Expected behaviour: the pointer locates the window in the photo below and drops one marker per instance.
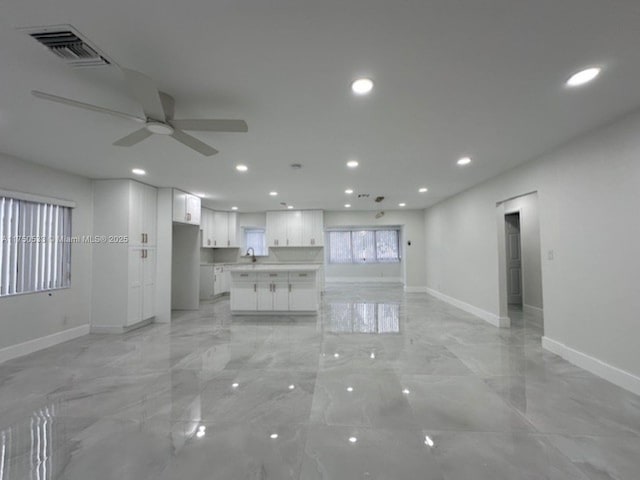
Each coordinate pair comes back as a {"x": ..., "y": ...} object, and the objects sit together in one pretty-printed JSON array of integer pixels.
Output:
[
  {"x": 364, "y": 246},
  {"x": 35, "y": 253},
  {"x": 255, "y": 238}
]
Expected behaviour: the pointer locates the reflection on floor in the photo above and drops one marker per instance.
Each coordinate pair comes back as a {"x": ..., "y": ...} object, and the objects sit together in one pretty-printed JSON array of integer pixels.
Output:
[{"x": 381, "y": 385}]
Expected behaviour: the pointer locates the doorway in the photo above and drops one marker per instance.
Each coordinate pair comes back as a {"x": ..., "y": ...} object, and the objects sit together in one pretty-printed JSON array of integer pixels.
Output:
[
  {"x": 520, "y": 261},
  {"x": 513, "y": 250}
]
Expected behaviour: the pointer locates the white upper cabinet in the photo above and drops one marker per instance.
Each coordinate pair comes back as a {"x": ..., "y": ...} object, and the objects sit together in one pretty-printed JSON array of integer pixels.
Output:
[
  {"x": 186, "y": 207},
  {"x": 218, "y": 229},
  {"x": 277, "y": 229},
  {"x": 295, "y": 228},
  {"x": 313, "y": 228},
  {"x": 142, "y": 214}
]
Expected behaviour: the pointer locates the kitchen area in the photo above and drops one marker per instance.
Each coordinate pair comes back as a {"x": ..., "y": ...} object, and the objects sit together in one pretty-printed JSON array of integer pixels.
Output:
[{"x": 267, "y": 262}]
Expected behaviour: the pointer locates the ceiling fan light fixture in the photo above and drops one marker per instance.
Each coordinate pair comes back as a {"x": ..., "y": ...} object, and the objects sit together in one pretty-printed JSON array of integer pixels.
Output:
[{"x": 159, "y": 128}]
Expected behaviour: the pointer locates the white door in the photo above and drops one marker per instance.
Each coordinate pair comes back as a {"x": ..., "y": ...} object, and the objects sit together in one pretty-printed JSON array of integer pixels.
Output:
[
  {"x": 243, "y": 296},
  {"x": 179, "y": 206},
  {"x": 148, "y": 283},
  {"x": 220, "y": 229},
  {"x": 514, "y": 259},
  {"x": 232, "y": 229},
  {"x": 134, "y": 301},
  {"x": 276, "y": 229},
  {"x": 280, "y": 296},
  {"x": 312, "y": 228},
  {"x": 303, "y": 297},
  {"x": 294, "y": 229},
  {"x": 193, "y": 209},
  {"x": 149, "y": 214},
  {"x": 265, "y": 296}
]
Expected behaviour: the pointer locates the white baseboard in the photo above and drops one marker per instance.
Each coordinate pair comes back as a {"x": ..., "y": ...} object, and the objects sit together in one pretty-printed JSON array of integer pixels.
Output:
[
  {"x": 495, "y": 320},
  {"x": 31, "y": 346},
  {"x": 121, "y": 328},
  {"x": 363, "y": 280},
  {"x": 415, "y": 289},
  {"x": 615, "y": 375}
]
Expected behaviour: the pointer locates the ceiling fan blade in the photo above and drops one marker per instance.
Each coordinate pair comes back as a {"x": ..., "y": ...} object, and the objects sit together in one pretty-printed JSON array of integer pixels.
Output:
[
  {"x": 212, "y": 125},
  {"x": 145, "y": 92},
  {"x": 133, "y": 138},
  {"x": 194, "y": 143},
  {"x": 168, "y": 105},
  {"x": 86, "y": 106}
]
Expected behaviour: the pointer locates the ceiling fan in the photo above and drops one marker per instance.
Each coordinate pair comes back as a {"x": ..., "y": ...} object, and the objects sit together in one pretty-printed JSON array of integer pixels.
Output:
[{"x": 158, "y": 108}]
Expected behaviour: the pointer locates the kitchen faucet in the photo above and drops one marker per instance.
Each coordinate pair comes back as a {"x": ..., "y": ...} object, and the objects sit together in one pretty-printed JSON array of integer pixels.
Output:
[{"x": 253, "y": 254}]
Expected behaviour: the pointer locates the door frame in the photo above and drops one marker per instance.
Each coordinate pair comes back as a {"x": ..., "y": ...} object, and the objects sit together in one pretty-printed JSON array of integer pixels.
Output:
[{"x": 511, "y": 211}]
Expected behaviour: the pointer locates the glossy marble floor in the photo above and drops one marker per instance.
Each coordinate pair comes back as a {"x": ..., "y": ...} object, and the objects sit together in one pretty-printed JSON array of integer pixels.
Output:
[{"x": 382, "y": 385}]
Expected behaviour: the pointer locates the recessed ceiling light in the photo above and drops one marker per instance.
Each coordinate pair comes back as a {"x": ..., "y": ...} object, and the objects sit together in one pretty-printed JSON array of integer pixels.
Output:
[
  {"x": 234, "y": 208},
  {"x": 583, "y": 77},
  {"x": 423, "y": 190},
  {"x": 402, "y": 204},
  {"x": 273, "y": 436},
  {"x": 464, "y": 161},
  {"x": 347, "y": 205},
  {"x": 242, "y": 168},
  {"x": 428, "y": 441},
  {"x": 406, "y": 391},
  {"x": 235, "y": 385},
  {"x": 373, "y": 355},
  {"x": 348, "y": 191},
  {"x": 362, "y": 86},
  {"x": 292, "y": 387},
  {"x": 138, "y": 171},
  {"x": 353, "y": 439},
  {"x": 352, "y": 163},
  {"x": 349, "y": 389},
  {"x": 273, "y": 194},
  {"x": 200, "y": 433},
  {"x": 290, "y": 207}
]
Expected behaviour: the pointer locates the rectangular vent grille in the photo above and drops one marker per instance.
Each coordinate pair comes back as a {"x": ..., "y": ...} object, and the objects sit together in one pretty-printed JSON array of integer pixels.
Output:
[{"x": 67, "y": 44}]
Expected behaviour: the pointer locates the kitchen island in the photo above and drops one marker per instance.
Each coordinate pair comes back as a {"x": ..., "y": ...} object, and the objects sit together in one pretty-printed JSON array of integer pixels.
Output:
[{"x": 275, "y": 289}]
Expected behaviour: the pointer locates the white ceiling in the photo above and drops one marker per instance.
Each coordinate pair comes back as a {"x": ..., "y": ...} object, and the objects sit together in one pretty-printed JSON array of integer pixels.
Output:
[{"x": 477, "y": 77}]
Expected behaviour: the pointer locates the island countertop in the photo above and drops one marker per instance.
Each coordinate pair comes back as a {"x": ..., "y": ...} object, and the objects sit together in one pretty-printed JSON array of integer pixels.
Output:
[{"x": 283, "y": 267}]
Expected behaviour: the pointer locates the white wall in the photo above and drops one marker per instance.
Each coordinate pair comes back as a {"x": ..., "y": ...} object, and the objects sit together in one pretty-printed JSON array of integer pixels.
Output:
[
  {"x": 531, "y": 258},
  {"x": 588, "y": 193},
  {"x": 412, "y": 269},
  {"x": 31, "y": 316}
]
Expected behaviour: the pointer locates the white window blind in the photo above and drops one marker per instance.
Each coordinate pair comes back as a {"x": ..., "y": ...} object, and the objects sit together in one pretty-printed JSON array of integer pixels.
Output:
[
  {"x": 35, "y": 253},
  {"x": 364, "y": 246}
]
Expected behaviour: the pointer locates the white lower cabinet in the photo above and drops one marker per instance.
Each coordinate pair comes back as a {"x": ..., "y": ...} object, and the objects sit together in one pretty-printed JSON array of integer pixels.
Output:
[
  {"x": 274, "y": 292},
  {"x": 303, "y": 293},
  {"x": 244, "y": 292},
  {"x": 214, "y": 281},
  {"x": 142, "y": 274}
]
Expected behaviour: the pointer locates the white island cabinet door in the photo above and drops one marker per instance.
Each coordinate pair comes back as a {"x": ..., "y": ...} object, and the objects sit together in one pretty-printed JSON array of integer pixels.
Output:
[
  {"x": 244, "y": 296},
  {"x": 281, "y": 296},
  {"x": 265, "y": 296},
  {"x": 303, "y": 297}
]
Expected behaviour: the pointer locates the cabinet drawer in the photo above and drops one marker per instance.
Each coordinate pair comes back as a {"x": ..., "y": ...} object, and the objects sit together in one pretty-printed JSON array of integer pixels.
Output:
[
  {"x": 284, "y": 276},
  {"x": 303, "y": 276},
  {"x": 243, "y": 276}
]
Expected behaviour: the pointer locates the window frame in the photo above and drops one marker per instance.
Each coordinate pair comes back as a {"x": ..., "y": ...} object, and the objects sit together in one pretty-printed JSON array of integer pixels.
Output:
[
  {"x": 353, "y": 257},
  {"x": 263, "y": 230},
  {"x": 48, "y": 261}
]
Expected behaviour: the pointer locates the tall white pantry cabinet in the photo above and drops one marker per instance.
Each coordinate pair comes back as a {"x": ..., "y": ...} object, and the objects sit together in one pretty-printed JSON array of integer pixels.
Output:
[{"x": 124, "y": 264}]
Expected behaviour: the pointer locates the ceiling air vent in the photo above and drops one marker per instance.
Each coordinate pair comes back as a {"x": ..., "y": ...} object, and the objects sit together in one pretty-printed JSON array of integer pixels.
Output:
[{"x": 67, "y": 43}]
